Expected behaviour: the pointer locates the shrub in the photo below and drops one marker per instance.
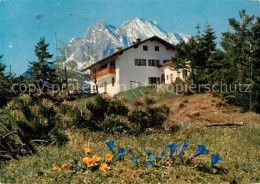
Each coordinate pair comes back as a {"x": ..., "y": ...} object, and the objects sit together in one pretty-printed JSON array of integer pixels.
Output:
[
  {"x": 82, "y": 118},
  {"x": 117, "y": 107},
  {"x": 148, "y": 116},
  {"x": 115, "y": 124},
  {"x": 28, "y": 119},
  {"x": 238, "y": 99},
  {"x": 98, "y": 107},
  {"x": 58, "y": 137}
]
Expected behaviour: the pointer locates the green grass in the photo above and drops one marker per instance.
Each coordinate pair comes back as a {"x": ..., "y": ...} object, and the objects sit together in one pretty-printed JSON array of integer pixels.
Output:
[
  {"x": 141, "y": 92},
  {"x": 239, "y": 149},
  {"x": 131, "y": 95}
]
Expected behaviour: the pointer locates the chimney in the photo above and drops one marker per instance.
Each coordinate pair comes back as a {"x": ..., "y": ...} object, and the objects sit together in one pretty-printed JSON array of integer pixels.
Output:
[
  {"x": 133, "y": 43},
  {"x": 118, "y": 49},
  {"x": 138, "y": 40}
]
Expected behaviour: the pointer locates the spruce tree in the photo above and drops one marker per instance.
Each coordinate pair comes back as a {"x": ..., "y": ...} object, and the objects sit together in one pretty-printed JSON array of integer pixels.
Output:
[
  {"x": 5, "y": 85},
  {"x": 212, "y": 57},
  {"x": 42, "y": 72},
  {"x": 208, "y": 40},
  {"x": 241, "y": 49},
  {"x": 255, "y": 64},
  {"x": 195, "y": 54}
]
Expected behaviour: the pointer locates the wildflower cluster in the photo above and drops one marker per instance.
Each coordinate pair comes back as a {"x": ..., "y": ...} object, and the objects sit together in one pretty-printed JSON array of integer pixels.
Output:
[{"x": 93, "y": 162}]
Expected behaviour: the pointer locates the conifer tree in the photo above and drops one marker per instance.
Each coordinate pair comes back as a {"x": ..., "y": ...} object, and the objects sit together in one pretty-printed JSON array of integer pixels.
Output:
[
  {"x": 209, "y": 40},
  {"x": 240, "y": 65},
  {"x": 195, "y": 54},
  {"x": 5, "y": 84},
  {"x": 42, "y": 72},
  {"x": 255, "y": 65}
]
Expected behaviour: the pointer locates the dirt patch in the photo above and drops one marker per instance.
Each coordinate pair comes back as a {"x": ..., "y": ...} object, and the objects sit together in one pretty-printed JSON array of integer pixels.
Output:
[{"x": 205, "y": 109}]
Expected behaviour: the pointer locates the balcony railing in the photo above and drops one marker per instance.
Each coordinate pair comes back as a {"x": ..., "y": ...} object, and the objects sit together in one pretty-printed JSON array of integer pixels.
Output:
[
  {"x": 165, "y": 64},
  {"x": 103, "y": 72}
]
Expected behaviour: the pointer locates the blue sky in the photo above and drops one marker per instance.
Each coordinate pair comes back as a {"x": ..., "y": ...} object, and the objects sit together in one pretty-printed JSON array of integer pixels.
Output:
[{"x": 23, "y": 22}]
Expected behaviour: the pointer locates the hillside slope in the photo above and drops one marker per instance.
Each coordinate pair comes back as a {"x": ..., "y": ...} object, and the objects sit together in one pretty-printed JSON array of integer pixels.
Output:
[
  {"x": 205, "y": 109},
  {"x": 238, "y": 148}
]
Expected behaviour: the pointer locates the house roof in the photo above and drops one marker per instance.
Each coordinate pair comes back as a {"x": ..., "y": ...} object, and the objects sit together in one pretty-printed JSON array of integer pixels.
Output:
[{"x": 167, "y": 44}]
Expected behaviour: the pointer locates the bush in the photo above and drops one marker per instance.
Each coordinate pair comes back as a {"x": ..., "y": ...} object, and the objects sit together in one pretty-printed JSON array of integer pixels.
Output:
[
  {"x": 28, "y": 119},
  {"x": 115, "y": 124},
  {"x": 238, "y": 99},
  {"x": 42, "y": 120},
  {"x": 58, "y": 137},
  {"x": 116, "y": 107},
  {"x": 148, "y": 116},
  {"x": 82, "y": 118}
]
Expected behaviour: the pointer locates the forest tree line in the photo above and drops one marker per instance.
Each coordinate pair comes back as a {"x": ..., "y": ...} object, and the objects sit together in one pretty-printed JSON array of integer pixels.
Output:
[{"x": 237, "y": 63}]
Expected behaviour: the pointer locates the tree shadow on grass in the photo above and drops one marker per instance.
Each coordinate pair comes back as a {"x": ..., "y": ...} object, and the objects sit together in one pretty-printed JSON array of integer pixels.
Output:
[{"x": 211, "y": 169}]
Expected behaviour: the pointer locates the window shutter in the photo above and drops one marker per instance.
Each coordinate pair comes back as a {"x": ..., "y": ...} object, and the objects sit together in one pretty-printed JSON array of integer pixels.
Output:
[
  {"x": 158, "y": 81},
  {"x": 149, "y": 62},
  {"x": 136, "y": 62},
  {"x": 150, "y": 80},
  {"x": 157, "y": 62},
  {"x": 144, "y": 62}
]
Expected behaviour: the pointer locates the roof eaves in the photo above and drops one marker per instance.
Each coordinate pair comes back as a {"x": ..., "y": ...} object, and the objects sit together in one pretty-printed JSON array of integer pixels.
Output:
[{"x": 168, "y": 45}]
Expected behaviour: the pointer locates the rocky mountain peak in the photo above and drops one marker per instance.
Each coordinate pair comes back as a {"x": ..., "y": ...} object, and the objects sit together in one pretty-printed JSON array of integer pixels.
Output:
[{"x": 103, "y": 38}]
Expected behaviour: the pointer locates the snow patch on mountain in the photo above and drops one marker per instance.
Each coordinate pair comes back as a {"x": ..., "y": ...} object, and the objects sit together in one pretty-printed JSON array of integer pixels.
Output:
[{"x": 101, "y": 39}]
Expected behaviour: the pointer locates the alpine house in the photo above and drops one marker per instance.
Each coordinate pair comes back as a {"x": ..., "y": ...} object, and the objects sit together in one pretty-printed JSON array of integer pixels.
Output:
[{"x": 143, "y": 63}]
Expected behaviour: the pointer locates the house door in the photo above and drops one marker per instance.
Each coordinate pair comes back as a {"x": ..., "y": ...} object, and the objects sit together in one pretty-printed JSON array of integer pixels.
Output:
[
  {"x": 105, "y": 87},
  {"x": 171, "y": 78},
  {"x": 162, "y": 79}
]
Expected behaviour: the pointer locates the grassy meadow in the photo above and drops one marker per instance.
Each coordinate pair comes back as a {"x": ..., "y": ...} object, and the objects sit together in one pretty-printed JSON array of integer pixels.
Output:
[{"x": 238, "y": 146}]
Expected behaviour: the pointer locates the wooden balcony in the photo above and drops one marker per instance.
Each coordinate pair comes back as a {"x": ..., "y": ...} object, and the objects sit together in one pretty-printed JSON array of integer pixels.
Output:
[
  {"x": 104, "y": 72},
  {"x": 165, "y": 64}
]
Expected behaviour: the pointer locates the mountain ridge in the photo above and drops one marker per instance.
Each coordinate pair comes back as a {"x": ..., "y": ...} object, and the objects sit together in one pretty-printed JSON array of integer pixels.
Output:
[{"x": 101, "y": 39}]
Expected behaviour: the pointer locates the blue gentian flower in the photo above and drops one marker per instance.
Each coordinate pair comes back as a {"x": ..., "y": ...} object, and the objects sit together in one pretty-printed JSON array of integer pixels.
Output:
[
  {"x": 119, "y": 157},
  {"x": 130, "y": 151},
  {"x": 184, "y": 146},
  {"x": 158, "y": 158},
  {"x": 215, "y": 159},
  {"x": 133, "y": 159},
  {"x": 200, "y": 150},
  {"x": 147, "y": 164},
  {"x": 172, "y": 147},
  {"x": 148, "y": 152},
  {"x": 163, "y": 153},
  {"x": 110, "y": 144},
  {"x": 151, "y": 158},
  {"x": 121, "y": 151}
]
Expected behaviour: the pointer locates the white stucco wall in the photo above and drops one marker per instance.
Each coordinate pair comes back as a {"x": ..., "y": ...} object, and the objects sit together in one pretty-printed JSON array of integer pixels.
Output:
[
  {"x": 168, "y": 71},
  {"x": 126, "y": 70},
  {"x": 130, "y": 72}
]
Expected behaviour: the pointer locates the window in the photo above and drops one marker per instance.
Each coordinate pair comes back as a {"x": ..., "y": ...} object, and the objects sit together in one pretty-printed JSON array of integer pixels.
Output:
[
  {"x": 154, "y": 80},
  {"x": 178, "y": 74},
  {"x": 103, "y": 67},
  {"x": 156, "y": 48},
  {"x": 140, "y": 62},
  {"x": 94, "y": 87},
  {"x": 153, "y": 62},
  {"x": 167, "y": 77},
  {"x": 184, "y": 74},
  {"x": 112, "y": 64},
  {"x": 145, "y": 47},
  {"x": 113, "y": 81}
]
